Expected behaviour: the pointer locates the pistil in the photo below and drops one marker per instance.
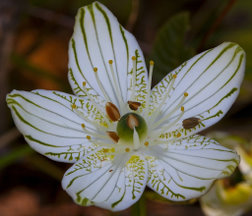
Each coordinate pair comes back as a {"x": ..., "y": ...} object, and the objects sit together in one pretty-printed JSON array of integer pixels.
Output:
[{"x": 146, "y": 113}]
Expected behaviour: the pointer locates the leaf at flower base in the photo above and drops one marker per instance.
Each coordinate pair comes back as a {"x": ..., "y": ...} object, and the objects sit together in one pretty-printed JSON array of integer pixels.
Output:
[
  {"x": 185, "y": 169},
  {"x": 98, "y": 38},
  {"x": 114, "y": 185},
  {"x": 170, "y": 49},
  {"x": 49, "y": 124},
  {"x": 212, "y": 80}
]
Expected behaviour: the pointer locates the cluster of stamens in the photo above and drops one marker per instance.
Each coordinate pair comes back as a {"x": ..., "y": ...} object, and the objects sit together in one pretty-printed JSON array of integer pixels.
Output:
[{"x": 129, "y": 131}]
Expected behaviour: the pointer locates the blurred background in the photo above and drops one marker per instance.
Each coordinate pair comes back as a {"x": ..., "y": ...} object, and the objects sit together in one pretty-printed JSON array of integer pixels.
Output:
[{"x": 34, "y": 37}]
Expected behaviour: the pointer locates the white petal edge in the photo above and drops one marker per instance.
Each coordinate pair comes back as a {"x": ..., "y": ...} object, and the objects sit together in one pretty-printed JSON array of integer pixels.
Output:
[{"x": 114, "y": 185}]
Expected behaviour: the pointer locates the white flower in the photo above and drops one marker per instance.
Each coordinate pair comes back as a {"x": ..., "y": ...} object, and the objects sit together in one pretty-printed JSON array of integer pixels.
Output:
[
  {"x": 227, "y": 201},
  {"x": 121, "y": 134},
  {"x": 231, "y": 196}
]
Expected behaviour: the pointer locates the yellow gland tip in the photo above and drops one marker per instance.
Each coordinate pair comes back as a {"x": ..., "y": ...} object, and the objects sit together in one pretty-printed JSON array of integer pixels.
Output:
[
  {"x": 174, "y": 76},
  {"x": 151, "y": 62},
  {"x": 95, "y": 69},
  {"x": 127, "y": 149},
  {"x": 84, "y": 83},
  {"x": 88, "y": 137},
  {"x": 179, "y": 135},
  {"x": 110, "y": 61},
  {"x": 83, "y": 125},
  {"x": 185, "y": 94},
  {"x": 146, "y": 143},
  {"x": 133, "y": 58},
  {"x": 74, "y": 106},
  {"x": 182, "y": 109}
]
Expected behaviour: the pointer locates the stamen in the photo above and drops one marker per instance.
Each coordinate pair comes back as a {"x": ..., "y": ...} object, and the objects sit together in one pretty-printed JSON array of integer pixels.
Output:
[
  {"x": 88, "y": 137},
  {"x": 157, "y": 111},
  {"x": 93, "y": 132},
  {"x": 117, "y": 90},
  {"x": 146, "y": 143},
  {"x": 133, "y": 77},
  {"x": 166, "y": 117},
  {"x": 133, "y": 105},
  {"x": 178, "y": 135},
  {"x": 100, "y": 84},
  {"x": 149, "y": 88},
  {"x": 112, "y": 111},
  {"x": 168, "y": 126},
  {"x": 190, "y": 122},
  {"x": 127, "y": 149},
  {"x": 113, "y": 135}
]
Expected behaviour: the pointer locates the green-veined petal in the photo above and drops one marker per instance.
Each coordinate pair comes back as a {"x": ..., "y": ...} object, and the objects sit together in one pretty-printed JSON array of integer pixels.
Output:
[
  {"x": 98, "y": 38},
  {"x": 212, "y": 80},
  {"x": 185, "y": 169},
  {"x": 115, "y": 185},
  {"x": 51, "y": 126}
]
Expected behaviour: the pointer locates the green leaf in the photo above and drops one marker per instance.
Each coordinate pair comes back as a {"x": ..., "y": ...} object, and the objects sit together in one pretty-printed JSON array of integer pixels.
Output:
[{"x": 170, "y": 49}]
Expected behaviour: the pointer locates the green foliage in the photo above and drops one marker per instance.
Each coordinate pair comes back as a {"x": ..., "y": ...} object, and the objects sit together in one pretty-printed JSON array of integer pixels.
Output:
[
  {"x": 170, "y": 49},
  {"x": 15, "y": 155}
]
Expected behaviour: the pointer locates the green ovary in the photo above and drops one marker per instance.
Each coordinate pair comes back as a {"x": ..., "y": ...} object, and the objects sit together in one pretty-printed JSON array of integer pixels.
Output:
[{"x": 125, "y": 130}]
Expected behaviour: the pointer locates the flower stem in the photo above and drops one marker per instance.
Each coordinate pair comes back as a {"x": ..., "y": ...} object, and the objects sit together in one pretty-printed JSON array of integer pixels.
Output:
[{"x": 139, "y": 208}]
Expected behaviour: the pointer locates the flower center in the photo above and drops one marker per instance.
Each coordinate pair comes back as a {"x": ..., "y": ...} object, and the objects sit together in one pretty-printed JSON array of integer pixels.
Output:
[{"x": 131, "y": 128}]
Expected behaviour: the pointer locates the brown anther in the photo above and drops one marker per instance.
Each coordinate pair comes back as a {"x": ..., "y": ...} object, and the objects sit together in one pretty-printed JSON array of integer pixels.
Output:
[
  {"x": 133, "y": 58},
  {"x": 84, "y": 83},
  {"x": 88, "y": 137},
  {"x": 178, "y": 135},
  {"x": 133, "y": 105},
  {"x": 127, "y": 149},
  {"x": 151, "y": 62},
  {"x": 182, "y": 109},
  {"x": 112, "y": 111},
  {"x": 74, "y": 106},
  {"x": 132, "y": 121},
  {"x": 113, "y": 135},
  {"x": 146, "y": 143},
  {"x": 185, "y": 94},
  {"x": 95, "y": 69},
  {"x": 110, "y": 170},
  {"x": 110, "y": 61},
  {"x": 174, "y": 76},
  {"x": 190, "y": 122},
  {"x": 83, "y": 125}
]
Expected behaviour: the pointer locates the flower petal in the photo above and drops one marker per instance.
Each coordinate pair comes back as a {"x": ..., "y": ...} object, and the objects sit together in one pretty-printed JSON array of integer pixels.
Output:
[
  {"x": 115, "y": 185},
  {"x": 212, "y": 80},
  {"x": 49, "y": 124},
  {"x": 186, "y": 169},
  {"x": 98, "y": 38}
]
